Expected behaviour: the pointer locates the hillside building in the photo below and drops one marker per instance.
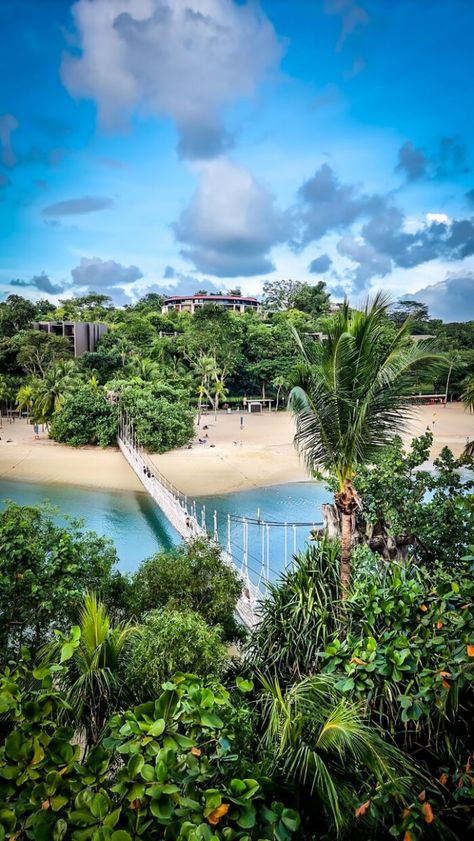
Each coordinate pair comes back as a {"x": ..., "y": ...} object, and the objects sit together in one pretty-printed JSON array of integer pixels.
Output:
[
  {"x": 83, "y": 335},
  {"x": 191, "y": 303}
]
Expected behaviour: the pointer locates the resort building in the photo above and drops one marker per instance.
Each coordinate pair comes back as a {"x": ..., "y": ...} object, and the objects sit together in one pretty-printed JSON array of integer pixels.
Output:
[
  {"x": 83, "y": 335},
  {"x": 191, "y": 303}
]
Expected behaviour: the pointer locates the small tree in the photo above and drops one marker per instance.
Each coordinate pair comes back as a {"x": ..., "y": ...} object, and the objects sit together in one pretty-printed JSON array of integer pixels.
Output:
[
  {"x": 91, "y": 680},
  {"x": 173, "y": 641},
  {"x": 192, "y": 576}
]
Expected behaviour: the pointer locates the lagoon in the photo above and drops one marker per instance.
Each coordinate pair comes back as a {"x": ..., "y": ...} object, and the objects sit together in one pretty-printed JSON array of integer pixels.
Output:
[{"x": 138, "y": 529}]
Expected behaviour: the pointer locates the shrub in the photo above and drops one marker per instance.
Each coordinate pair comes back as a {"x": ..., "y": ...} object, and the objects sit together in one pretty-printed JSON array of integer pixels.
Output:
[
  {"x": 166, "y": 769},
  {"x": 173, "y": 641},
  {"x": 192, "y": 576},
  {"x": 85, "y": 418}
]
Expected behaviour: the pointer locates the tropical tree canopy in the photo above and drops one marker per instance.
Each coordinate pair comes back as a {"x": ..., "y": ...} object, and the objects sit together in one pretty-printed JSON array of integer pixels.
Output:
[{"x": 350, "y": 393}]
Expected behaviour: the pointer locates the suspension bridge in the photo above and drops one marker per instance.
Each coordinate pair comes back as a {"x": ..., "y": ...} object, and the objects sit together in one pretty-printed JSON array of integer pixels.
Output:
[{"x": 245, "y": 543}]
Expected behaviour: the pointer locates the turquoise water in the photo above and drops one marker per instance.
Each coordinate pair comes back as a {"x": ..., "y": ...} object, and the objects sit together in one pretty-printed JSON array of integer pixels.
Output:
[{"x": 138, "y": 529}]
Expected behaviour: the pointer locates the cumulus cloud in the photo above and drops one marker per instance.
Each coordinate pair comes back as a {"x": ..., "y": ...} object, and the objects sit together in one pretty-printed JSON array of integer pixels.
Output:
[
  {"x": 8, "y": 124},
  {"x": 449, "y": 158},
  {"x": 185, "y": 59},
  {"x": 376, "y": 235},
  {"x": 412, "y": 162},
  {"x": 452, "y": 299},
  {"x": 320, "y": 264},
  {"x": 371, "y": 262},
  {"x": 40, "y": 282},
  {"x": 325, "y": 204},
  {"x": 100, "y": 274},
  {"x": 71, "y": 207},
  {"x": 231, "y": 224}
]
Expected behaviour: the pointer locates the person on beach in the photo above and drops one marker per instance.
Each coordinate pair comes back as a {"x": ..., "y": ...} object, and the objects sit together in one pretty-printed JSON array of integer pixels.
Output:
[{"x": 36, "y": 431}]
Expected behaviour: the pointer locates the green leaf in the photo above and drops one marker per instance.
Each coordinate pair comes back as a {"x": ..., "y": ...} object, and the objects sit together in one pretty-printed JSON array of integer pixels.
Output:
[
  {"x": 148, "y": 773},
  {"x": 100, "y": 805},
  {"x": 244, "y": 685},
  {"x": 247, "y": 817},
  {"x": 291, "y": 819},
  {"x": 157, "y": 727},
  {"x": 135, "y": 765},
  {"x": 211, "y": 720},
  {"x": 120, "y": 835},
  {"x": 161, "y": 809}
]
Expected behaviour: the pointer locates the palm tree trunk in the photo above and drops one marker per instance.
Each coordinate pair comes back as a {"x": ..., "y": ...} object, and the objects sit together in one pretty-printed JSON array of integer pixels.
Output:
[
  {"x": 346, "y": 545},
  {"x": 447, "y": 383}
]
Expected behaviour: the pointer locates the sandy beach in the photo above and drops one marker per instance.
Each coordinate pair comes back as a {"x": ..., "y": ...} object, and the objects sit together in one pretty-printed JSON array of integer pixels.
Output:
[{"x": 258, "y": 455}]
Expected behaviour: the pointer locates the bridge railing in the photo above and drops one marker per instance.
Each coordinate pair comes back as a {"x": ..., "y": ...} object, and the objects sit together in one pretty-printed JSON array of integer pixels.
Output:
[{"x": 183, "y": 516}]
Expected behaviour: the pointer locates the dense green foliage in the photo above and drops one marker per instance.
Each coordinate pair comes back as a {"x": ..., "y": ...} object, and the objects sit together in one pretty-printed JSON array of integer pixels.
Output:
[
  {"x": 357, "y": 713},
  {"x": 45, "y": 568},
  {"x": 191, "y": 577},
  {"x": 85, "y": 417},
  {"x": 404, "y": 649},
  {"x": 406, "y": 508},
  {"x": 165, "y": 768},
  {"x": 161, "y": 417},
  {"x": 173, "y": 641}
]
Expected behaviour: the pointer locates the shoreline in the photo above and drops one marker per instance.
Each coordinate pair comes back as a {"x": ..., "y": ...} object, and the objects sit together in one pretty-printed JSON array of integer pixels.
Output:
[{"x": 258, "y": 455}]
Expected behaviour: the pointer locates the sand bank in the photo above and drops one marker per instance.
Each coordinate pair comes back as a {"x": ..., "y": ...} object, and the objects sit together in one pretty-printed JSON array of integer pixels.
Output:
[{"x": 258, "y": 455}]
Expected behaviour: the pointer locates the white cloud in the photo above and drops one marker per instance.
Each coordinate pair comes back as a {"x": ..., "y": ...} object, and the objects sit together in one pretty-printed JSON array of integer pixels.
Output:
[
  {"x": 180, "y": 58},
  {"x": 232, "y": 223},
  {"x": 437, "y": 217}
]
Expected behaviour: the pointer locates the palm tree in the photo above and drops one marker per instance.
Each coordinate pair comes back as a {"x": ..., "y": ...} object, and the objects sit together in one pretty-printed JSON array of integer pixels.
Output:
[
  {"x": 145, "y": 370},
  {"x": 50, "y": 392},
  {"x": 349, "y": 398},
  {"x": 91, "y": 680},
  {"x": 4, "y": 392},
  {"x": 24, "y": 398},
  {"x": 467, "y": 398},
  {"x": 207, "y": 370},
  {"x": 279, "y": 382},
  {"x": 321, "y": 743}
]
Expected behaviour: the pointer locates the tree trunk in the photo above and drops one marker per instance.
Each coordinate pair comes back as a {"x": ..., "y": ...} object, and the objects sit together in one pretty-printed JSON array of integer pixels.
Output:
[
  {"x": 447, "y": 383},
  {"x": 346, "y": 545}
]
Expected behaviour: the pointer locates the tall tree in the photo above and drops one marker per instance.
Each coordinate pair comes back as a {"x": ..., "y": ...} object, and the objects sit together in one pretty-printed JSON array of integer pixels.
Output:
[
  {"x": 350, "y": 398},
  {"x": 295, "y": 294}
]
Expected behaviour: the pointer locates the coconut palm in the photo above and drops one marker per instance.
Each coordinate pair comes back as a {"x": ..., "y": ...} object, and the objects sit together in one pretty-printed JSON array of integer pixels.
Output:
[
  {"x": 4, "y": 393},
  {"x": 279, "y": 383},
  {"x": 50, "y": 392},
  {"x": 208, "y": 372},
  {"x": 321, "y": 743},
  {"x": 145, "y": 370},
  {"x": 91, "y": 680},
  {"x": 350, "y": 398},
  {"x": 24, "y": 398}
]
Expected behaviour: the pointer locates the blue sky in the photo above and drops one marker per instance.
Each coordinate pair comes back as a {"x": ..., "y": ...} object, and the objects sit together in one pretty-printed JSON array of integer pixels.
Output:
[{"x": 171, "y": 145}]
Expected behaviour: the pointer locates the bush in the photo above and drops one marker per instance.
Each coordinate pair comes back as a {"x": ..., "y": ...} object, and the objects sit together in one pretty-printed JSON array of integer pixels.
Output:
[
  {"x": 85, "y": 418},
  {"x": 45, "y": 568},
  {"x": 161, "y": 422},
  {"x": 193, "y": 576},
  {"x": 173, "y": 641},
  {"x": 166, "y": 770}
]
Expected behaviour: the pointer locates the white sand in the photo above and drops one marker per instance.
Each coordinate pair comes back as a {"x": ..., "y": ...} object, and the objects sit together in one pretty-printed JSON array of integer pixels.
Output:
[{"x": 260, "y": 454}]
